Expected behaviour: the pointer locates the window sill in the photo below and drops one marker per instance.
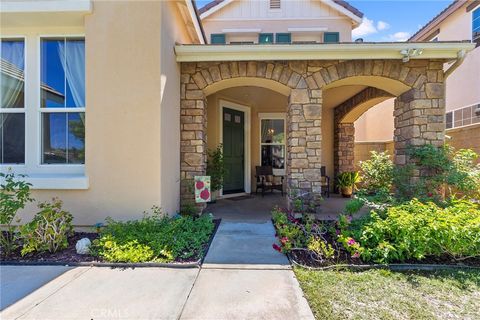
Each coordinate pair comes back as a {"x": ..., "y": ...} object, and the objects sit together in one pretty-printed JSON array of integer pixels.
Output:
[{"x": 58, "y": 182}]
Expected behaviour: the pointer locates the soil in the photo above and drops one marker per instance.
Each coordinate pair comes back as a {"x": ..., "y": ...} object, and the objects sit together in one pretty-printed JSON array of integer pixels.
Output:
[{"x": 69, "y": 255}]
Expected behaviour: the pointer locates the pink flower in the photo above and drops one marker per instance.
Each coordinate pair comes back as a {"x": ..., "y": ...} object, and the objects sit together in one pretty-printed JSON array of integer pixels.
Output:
[
  {"x": 349, "y": 219},
  {"x": 430, "y": 194},
  {"x": 276, "y": 247},
  {"x": 284, "y": 240},
  {"x": 356, "y": 255},
  {"x": 351, "y": 241}
]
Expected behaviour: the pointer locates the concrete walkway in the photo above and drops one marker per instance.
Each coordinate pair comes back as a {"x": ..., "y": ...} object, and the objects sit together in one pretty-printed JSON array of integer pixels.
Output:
[{"x": 242, "y": 278}]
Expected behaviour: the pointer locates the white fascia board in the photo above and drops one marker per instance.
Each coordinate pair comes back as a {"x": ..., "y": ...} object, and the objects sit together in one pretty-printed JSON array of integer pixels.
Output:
[
  {"x": 239, "y": 30},
  {"x": 215, "y": 9},
  {"x": 46, "y": 6},
  {"x": 196, "y": 23},
  {"x": 325, "y": 51},
  {"x": 341, "y": 9},
  {"x": 307, "y": 29}
]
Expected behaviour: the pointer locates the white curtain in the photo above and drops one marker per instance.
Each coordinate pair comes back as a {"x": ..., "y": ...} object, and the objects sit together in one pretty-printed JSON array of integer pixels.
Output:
[
  {"x": 12, "y": 75},
  {"x": 72, "y": 56}
]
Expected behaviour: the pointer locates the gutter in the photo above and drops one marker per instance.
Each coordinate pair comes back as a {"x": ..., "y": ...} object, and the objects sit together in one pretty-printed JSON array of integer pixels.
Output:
[
  {"x": 460, "y": 58},
  {"x": 321, "y": 51}
]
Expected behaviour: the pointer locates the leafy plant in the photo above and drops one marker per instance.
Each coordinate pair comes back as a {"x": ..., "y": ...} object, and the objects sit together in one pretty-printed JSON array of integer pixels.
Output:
[
  {"x": 443, "y": 172},
  {"x": 348, "y": 179},
  {"x": 377, "y": 172},
  {"x": 322, "y": 249},
  {"x": 416, "y": 230},
  {"x": 353, "y": 206},
  {"x": 216, "y": 168},
  {"x": 49, "y": 230},
  {"x": 155, "y": 237},
  {"x": 14, "y": 195}
]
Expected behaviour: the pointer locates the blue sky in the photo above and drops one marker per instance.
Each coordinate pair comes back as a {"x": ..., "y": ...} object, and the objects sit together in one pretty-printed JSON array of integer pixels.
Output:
[{"x": 390, "y": 20}]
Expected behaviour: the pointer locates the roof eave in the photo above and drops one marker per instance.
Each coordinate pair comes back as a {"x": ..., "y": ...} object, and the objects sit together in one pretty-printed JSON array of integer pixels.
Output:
[{"x": 340, "y": 51}]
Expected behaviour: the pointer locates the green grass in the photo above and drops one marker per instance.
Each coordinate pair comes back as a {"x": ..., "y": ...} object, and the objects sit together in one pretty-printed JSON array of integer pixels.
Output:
[{"x": 383, "y": 294}]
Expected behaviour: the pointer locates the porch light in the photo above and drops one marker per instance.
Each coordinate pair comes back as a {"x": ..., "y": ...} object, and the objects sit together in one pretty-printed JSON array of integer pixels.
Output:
[{"x": 409, "y": 53}]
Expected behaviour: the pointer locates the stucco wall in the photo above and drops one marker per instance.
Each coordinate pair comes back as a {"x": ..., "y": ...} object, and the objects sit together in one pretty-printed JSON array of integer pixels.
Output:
[
  {"x": 132, "y": 111},
  {"x": 259, "y": 100},
  {"x": 376, "y": 124}
]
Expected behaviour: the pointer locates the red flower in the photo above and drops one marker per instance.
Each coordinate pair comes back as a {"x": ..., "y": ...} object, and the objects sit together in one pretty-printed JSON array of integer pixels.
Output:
[
  {"x": 276, "y": 247},
  {"x": 199, "y": 185},
  {"x": 430, "y": 194},
  {"x": 284, "y": 240},
  {"x": 205, "y": 194}
]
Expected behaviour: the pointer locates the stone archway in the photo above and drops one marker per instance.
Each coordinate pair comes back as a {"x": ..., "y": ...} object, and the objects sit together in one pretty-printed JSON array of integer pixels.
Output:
[{"x": 419, "y": 108}]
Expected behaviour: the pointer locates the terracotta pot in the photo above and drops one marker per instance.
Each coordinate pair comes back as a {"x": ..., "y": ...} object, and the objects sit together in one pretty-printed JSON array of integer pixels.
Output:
[{"x": 346, "y": 192}]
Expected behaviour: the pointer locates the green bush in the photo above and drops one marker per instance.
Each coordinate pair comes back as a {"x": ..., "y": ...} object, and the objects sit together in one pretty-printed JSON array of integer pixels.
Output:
[
  {"x": 49, "y": 230},
  {"x": 445, "y": 172},
  {"x": 377, "y": 172},
  {"x": 155, "y": 237},
  {"x": 416, "y": 230},
  {"x": 14, "y": 195},
  {"x": 353, "y": 206}
]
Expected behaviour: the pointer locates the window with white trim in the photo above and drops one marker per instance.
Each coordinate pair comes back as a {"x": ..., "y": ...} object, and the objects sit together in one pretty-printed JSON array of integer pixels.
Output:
[
  {"x": 42, "y": 111},
  {"x": 476, "y": 26},
  {"x": 62, "y": 100},
  {"x": 275, "y": 4},
  {"x": 12, "y": 108},
  {"x": 272, "y": 142}
]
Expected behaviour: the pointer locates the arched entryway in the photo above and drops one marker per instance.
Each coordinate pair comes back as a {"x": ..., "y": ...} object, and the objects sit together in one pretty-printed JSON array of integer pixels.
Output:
[{"x": 418, "y": 109}]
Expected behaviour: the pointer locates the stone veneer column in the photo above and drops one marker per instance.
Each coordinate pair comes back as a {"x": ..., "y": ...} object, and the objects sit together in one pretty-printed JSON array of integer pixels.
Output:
[
  {"x": 420, "y": 115},
  {"x": 304, "y": 143},
  {"x": 193, "y": 140},
  {"x": 344, "y": 145}
]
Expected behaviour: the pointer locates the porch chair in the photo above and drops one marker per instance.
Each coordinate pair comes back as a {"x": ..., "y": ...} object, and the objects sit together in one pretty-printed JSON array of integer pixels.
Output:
[
  {"x": 325, "y": 181},
  {"x": 266, "y": 180}
]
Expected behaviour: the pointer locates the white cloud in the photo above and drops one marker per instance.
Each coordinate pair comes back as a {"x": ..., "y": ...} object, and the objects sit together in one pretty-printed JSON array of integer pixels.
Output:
[
  {"x": 366, "y": 28},
  {"x": 399, "y": 36},
  {"x": 382, "y": 25}
]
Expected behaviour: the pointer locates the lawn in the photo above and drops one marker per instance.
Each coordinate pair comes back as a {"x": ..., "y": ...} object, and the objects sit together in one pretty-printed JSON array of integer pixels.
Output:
[{"x": 383, "y": 294}]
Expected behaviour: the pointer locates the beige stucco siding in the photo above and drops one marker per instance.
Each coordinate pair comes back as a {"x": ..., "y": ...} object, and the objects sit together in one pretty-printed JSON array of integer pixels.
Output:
[
  {"x": 376, "y": 124},
  {"x": 132, "y": 111}
]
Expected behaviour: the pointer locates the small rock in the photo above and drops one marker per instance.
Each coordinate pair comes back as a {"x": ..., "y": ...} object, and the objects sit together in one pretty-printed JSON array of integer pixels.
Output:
[{"x": 83, "y": 246}]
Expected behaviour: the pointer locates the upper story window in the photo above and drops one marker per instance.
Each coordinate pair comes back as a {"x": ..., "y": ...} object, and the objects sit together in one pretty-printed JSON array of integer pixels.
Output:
[
  {"x": 283, "y": 38},
  {"x": 275, "y": 4},
  {"x": 265, "y": 38},
  {"x": 12, "y": 108},
  {"x": 62, "y": 102},
  {"x": 476, "y": 26},
  {"x": 331, "y": 37},
  {"x": 217, "y": 38}
]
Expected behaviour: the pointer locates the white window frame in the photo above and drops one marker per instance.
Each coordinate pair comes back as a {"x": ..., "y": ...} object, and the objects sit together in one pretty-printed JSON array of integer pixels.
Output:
[
  {"x": 471, "y": 19},
  {"x": 274, "y": 116},
  {"x": 19, "y": 110},
  {"x": 42, "y": 176}
]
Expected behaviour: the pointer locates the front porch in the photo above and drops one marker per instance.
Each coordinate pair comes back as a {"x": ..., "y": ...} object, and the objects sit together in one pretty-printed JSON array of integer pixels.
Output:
[
  {"x": 319, "y": 96},
  {"x": 255, "y": 208}
]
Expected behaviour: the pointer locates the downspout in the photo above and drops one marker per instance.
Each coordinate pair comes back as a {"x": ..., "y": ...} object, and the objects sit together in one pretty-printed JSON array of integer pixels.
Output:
[{"x": 460, "y": 58}]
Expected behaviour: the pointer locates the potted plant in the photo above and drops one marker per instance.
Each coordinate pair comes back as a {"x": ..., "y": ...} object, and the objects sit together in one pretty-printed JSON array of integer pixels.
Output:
[
  {"x": 346, "y": 182},
  {"x": 216, "y": 170}
]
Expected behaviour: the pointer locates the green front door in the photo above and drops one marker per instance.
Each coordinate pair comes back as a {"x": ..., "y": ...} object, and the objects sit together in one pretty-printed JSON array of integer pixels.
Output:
[{"x": 233, "y": 150}]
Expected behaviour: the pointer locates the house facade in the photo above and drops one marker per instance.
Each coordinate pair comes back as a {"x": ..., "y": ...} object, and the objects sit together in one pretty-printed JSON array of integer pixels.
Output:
[
  {"x": 460, "y": 21},
  {"x": 112, "y": 106}
]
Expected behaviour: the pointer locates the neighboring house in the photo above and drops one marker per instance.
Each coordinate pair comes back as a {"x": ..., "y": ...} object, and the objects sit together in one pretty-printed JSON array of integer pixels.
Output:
[
  {"x": 143, "y": 94},
  {"x": 460, "y": 21}
]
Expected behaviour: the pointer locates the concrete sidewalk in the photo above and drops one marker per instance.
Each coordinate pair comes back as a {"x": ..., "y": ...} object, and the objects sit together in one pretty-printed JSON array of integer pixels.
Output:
[{"x": 243, "y": 278}]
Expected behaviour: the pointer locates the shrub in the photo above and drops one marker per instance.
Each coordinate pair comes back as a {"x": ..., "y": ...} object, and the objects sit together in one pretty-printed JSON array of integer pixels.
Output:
[
  {"x": 417, "y": 230},
  {"x": 444, "y": 172},
  {"x": 49, "y": 229},
  {"x": 353, "y": 206},
  {"x": 377, "y": 172},
  {"x": 155, "y": 237},
  {"x": 15, "y": 194},
  {"x": 216, "y": 167}
]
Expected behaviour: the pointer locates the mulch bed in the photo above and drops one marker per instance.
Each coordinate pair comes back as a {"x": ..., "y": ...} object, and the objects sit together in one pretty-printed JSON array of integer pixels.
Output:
[
  {"x": 69, "y": 255},
  {"x": 342, "y": 257}
]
